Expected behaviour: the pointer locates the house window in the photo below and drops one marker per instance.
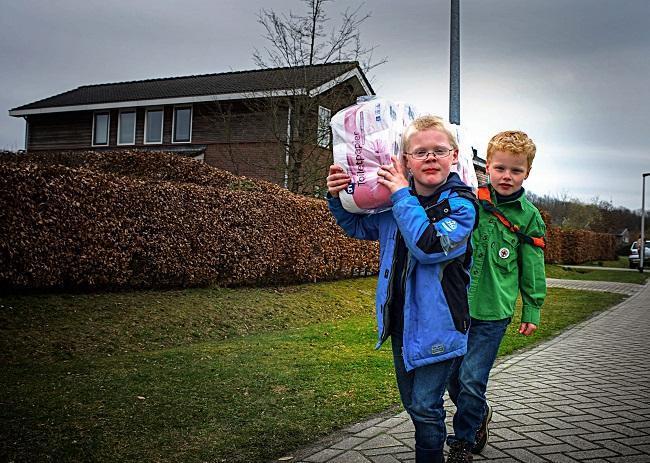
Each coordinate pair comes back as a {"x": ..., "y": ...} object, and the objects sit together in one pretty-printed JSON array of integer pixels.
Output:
[
  {"x": 153, "y": 126},
  {"x": 126, "y": 128},
  {"x": 101, "y": 122},
  {"x": 323, "y": 133},
  {"x": 182, "y": 124}
]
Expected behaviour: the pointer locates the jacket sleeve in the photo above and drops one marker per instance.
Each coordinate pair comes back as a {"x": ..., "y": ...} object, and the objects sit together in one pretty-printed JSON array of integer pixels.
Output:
[
  {"x": 360, "y": 226},
  {"x": 432, "y": 242},
  {"x": 532, "y": 276}
]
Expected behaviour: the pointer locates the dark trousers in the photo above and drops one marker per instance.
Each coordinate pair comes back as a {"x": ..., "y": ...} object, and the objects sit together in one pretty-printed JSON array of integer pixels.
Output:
[
  {"x": 469, "y": 377},
  {"x": 422, "y": 391}
]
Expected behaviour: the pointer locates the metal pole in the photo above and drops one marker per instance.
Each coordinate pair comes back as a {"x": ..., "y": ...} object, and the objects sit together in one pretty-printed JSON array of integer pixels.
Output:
[
  {"x": 26, "y": 133},
  {"x": 287, "y": 149},
  {"x": 642, "y": 244},
  {"x": 454, "y": 64}
]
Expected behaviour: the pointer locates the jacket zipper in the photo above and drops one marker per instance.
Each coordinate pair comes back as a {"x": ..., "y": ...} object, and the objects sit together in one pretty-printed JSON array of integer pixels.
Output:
[
  {"x": 385, "y": 309},
  {"x": 405, "y": 273}
]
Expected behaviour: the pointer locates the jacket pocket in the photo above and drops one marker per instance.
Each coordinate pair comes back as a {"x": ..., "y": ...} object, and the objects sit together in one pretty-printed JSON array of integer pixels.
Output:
[
  {"x": 454, "y": 285},
  {"x": 504, "y": 252}
]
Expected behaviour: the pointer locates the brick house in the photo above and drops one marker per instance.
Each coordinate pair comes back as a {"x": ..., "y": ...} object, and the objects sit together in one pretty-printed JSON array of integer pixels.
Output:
[
  {"x": 479, "y": 167},
  {"x": 239, "y": 121},
  {"x": 268, "y": 123}
]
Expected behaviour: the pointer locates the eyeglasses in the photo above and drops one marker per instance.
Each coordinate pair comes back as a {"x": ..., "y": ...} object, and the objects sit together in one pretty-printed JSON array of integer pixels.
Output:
[{"x": 436, "y": 153}]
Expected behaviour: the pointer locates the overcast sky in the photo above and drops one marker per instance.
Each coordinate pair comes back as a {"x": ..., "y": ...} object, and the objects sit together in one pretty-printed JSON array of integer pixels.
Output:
[{"x": 573, "y": 74}]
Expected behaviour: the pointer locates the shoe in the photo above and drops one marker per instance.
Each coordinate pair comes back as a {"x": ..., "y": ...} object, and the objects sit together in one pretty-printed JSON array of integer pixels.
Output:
[
  {"x": 483, "y": 433},
  {"x": 460, "y": 452},
  {"x": 423, "y": 455}
]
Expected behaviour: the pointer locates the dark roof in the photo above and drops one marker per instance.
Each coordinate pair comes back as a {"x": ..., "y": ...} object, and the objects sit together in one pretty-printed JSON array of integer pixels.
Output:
[
  {"x": 261, "y": 80},
  {"x": 476, "y": 159}
]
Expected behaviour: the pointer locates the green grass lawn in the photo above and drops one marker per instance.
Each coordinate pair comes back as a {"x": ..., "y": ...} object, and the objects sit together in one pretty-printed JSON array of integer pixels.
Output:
[
  {"x": 559, "y": 271},
  {"x": 620, "y": 262},
  {"x": 237, "y": 375}
]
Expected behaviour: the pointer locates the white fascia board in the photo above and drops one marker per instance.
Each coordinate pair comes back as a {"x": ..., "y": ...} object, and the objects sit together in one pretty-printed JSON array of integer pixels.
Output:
[
  {"x": 158, "y": 102},
  {"x": 196, "y": 99},
  {"x": 342, "y": 78}
]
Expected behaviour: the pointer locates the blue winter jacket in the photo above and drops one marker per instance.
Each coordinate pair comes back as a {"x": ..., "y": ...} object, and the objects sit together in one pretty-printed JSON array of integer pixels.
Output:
[{"x": 437, "y": 237}]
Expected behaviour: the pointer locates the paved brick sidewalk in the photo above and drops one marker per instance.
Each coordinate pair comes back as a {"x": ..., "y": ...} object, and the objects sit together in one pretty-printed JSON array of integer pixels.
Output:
[
  {"x": 593, "y": 267},
  {"x": 583, "y": 396},
  {"x": 606, "y": 286}
]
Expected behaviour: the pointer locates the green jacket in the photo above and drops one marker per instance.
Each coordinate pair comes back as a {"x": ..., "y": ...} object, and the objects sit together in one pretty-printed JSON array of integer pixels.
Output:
[{"x": 504, "y": 266}]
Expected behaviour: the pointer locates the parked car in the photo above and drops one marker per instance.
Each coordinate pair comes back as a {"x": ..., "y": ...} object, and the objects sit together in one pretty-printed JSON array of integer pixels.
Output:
[{"x": 634, "y": 258}]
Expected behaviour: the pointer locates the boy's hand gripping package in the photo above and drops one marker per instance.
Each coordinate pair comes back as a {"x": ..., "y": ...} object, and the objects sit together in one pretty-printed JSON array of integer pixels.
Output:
[{"x": 365, "y": 136}]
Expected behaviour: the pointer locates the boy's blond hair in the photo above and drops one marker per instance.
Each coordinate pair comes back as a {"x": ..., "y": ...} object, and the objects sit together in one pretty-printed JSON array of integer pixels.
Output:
[
  {"x": 514, "y": 142},
  {"x": 427, "y": 122},
  {"x": 421, "y": 123}
]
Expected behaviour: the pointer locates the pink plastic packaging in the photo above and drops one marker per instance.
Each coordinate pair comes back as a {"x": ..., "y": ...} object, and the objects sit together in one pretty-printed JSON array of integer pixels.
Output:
[{"x": 365, "y": 136}]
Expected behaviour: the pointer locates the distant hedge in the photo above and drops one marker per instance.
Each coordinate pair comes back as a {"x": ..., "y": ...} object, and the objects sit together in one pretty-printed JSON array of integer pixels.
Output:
[
  {"x": 139, "y": 219},
  {"x": 577, "y": 246}
]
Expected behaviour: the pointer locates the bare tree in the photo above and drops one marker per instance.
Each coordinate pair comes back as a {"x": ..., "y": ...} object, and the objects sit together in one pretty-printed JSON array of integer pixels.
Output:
[
  {"x": 297, "y": 41},
  {"x": 598, "y": 215},
  {"x": 300, "y": 40}
]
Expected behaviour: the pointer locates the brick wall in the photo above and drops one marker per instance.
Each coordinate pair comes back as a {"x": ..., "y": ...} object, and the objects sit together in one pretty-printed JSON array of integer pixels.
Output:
[
  {"x": 61, "y": 131},
  {"x": 258, "y": 160},
  {"x": 481, "y": 176}
]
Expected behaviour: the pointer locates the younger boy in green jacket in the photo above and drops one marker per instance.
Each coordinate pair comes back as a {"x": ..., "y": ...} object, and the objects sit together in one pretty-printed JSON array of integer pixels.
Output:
[{"x": 508, "y": 260}]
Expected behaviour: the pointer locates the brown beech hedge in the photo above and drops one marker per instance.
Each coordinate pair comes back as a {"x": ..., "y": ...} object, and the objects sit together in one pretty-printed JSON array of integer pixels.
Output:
[
  {"x": 577, "y": 246},
  {"x": 142, "y": 219},
  {"x": 137, "y": 219}
]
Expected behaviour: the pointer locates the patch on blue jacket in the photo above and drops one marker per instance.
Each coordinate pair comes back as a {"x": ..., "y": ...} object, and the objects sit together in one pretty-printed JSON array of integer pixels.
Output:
[
  {"x": 437, "y": 349},
  {"x": 449, "y": 225}
]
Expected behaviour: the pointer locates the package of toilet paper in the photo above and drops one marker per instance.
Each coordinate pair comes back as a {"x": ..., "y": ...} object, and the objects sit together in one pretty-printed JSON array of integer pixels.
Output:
[{"x": 364, "y": 137}]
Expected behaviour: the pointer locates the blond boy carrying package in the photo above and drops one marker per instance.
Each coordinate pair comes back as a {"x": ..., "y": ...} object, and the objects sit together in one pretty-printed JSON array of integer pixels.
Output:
[{"x": 425, "y": 258}]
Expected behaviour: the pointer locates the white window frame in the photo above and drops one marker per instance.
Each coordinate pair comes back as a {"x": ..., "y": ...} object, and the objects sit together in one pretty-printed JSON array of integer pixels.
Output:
[
  {"x": 162, "y": 125},
  {"x": 108, "y": 128},
  {"x": 185, "y": 106},
  {"x": 322, "y": 128},
  {"x": 119, "y": 125}
]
